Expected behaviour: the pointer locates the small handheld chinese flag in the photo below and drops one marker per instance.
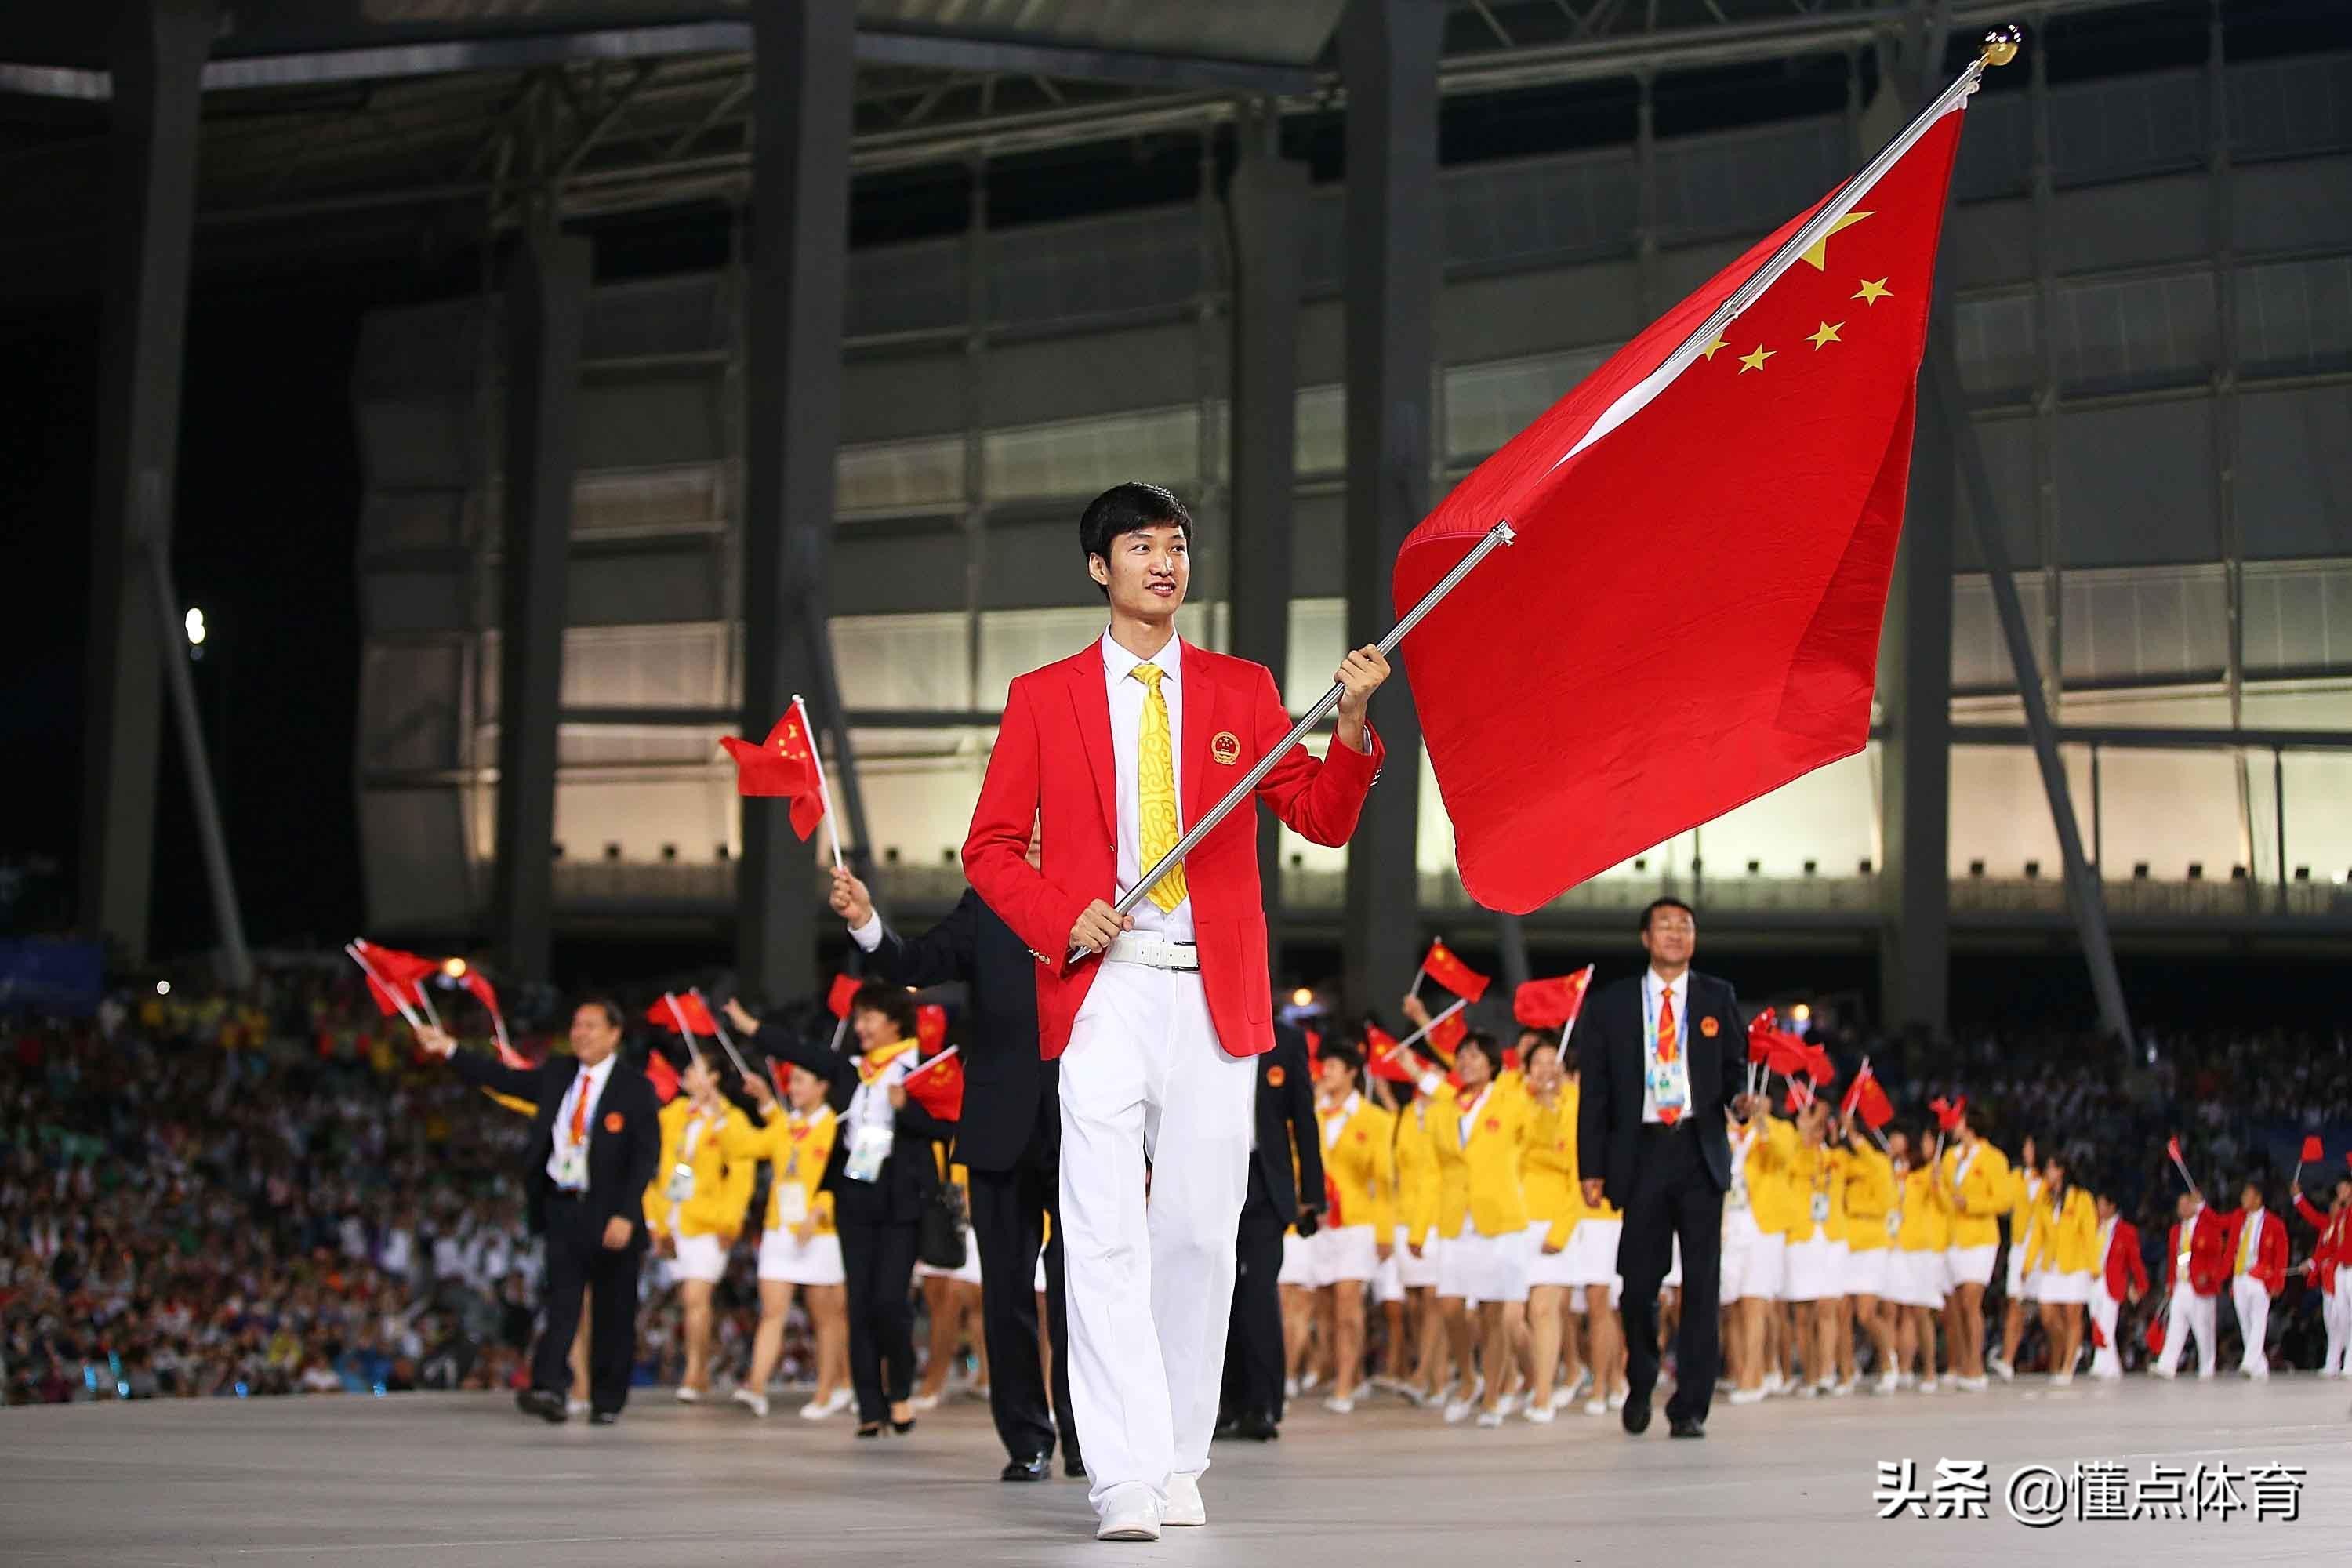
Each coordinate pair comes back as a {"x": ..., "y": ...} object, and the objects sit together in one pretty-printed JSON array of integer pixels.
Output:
[
  {"x": 1383, "y": 1059},
  {"x": 845, "y": 988},
  {"x": 473, "y": 980},
  {"x": 394, "y": 977},
  {"x": 1450, "y": 972},
  {"x": 784, "y": 764},
  {"x": 1727, "y": 504},
  {"x": 938, "y": 1085},
  {"x": 662, "y": 1076},
  {"x": 689, "y": 1008},
  {"x": 1446, "y": 1035},
  {"x": 1877, "y": 1110},
  {"x": 930, "y": 1026},
  {"x": 1552, "y": 1003},
  {"x": 1761, "y": 1031}
]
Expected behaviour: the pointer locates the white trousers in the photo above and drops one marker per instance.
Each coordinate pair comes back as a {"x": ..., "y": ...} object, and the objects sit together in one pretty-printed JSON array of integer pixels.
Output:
[
  {"x": 2190, "y": 1314},
  {"x": 2105, "y": 1309},
  {"x": 2336, "y": 1309},
  {"x": 1149, "y": 1287},
  {"x": 2254, "y": 1304}
]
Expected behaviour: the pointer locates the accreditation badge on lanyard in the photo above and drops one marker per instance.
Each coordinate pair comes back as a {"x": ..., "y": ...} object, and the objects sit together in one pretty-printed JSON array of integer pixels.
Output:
[
  {"x": 571, "y": 1154},
  {"x": 1669, "y": 1080},
  {"x": 680, "y": 1186}
]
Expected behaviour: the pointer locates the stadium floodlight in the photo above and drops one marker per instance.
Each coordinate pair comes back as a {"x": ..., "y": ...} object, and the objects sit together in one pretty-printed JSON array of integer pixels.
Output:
[{"x": 194, "y": 622}]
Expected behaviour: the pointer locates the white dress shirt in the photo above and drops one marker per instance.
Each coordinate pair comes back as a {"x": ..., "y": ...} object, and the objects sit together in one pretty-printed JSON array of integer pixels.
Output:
[
  {"x": 1655, "y": 985},
  {"x": 588, "y": 1083},
  {"x": 1128, "y": 696}
]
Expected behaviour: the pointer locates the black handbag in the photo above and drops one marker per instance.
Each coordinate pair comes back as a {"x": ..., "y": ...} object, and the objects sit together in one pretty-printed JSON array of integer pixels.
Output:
[{"x": 939, "y": 1236}]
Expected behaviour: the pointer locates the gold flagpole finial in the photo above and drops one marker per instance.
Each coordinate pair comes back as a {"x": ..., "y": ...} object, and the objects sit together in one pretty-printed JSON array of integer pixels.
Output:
[{"x": 2001, "y": 44}]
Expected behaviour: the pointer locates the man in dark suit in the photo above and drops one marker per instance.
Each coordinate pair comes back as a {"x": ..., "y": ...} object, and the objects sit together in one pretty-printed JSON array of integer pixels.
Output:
[
  {"x": 595, "y": 1144},
  {"x": 1662, "y": 1058},
  {"x": 1286, "y": 1124},
  {"x": 1009, "y": 1141}
]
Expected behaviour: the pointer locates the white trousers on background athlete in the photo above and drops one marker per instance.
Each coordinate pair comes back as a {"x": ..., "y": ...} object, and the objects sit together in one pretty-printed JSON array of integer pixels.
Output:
[
  {"x": 2336, "y": 1312},
  {"x": 1150, "y": 1287},
  {"x": 2190, "y": 1314},
  {"x": 2254, "y": 1304},
  {"x": 2105, "y": 1309}
]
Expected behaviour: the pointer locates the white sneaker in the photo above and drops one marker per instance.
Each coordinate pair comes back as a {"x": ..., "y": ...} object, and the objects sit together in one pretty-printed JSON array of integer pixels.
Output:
[
  {"x": 1747, "y": 1396},
  {"x": 1774, "y": 1382},
  {"x": 1457, "y": 1410},
  {"x": 924, "y": 1402},
  {"x": 2163, "y": 1373},
  {"x": 1970, "y": 1385},
  {"x": 2001, "y": 1368},
  {"x": 1887, "y": 1382},
  {"x": 1490, "y": 1418},
  {"x": 1184, "y": 1504},
  {"x": 1596, "y": 1407},
  {"x": 2205, "y": 1376},
  {"x": 1306, "y": 1385},
  {"x": 577, "y": 1406},
  {"x": 1810, "y": 1390},
  {"x": 1926, "y": 1386},
  {"x": 1840, "y": 1390},
  {"x": 2260, "y": 1374},
  {"x": 817, "y": 1411},
  {"x": 1510, "y": 1402},
  {"x": 1290, "y": 1388},
  {"x": 1561, "y": 1398},
  {"x": 756, "y": 1403},
  {"x": 2061, "y": 1379},
  {"x": 1617, "y": 1399},
  {"x": 687, "y": 1396},
  {"x": 1539, "y": 1415},
  {"x": 1336, "y": 1406},
  {"x": 1130, "y": 1513}
]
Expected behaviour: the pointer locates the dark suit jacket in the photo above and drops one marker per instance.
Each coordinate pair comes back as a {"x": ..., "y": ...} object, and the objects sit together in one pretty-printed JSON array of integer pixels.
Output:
[
  {"x": 1610, "y": 1058},
  {"x": 1285, "y": 1122},
  {"x": 909, "y": 1177},
  {"x": 1008, "y": 1092},
  {"x": 621, "y": 1161}
]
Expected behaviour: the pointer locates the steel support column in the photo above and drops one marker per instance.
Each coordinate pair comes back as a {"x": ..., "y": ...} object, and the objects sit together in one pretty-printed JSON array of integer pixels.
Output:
[
  {"x": 1388, "y": 55},
  {"x": 158, "y": 63},
  {"x": 803, "y": 70},
  {"x": 1265, "y": 206},
  {"x": 546, "y": 303}
]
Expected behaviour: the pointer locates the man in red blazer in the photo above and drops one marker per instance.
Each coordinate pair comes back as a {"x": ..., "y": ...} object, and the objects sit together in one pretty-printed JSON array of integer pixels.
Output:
[
  {"x": 2122, "y": 1277},
  {"x": 1110, "y": 752},
  {"x": 2257, "y": 1273},
  {"x": 2199, "y": 1249},
  {"x": 2331, "y": 1272}
]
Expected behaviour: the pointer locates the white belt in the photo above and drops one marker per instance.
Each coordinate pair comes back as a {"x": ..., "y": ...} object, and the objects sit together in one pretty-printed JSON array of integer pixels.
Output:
[{"x": 1143, "y": 947}]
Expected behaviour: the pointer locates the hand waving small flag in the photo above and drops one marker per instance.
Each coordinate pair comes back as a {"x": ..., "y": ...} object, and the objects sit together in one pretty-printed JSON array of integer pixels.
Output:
[
  {"x": 1450, "y": 972},
  {"x": 784, "y": 764}
]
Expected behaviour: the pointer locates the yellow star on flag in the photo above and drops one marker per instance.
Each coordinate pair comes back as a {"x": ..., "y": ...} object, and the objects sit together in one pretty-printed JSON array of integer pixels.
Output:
[
  {"x": 1820, "y": 253},
  {"x": 1828, "y": 334},
  {"x": 1710, "y": 350},
  {"x": 1871, "y": 293},
  {"x": 1756, "y": 360}
]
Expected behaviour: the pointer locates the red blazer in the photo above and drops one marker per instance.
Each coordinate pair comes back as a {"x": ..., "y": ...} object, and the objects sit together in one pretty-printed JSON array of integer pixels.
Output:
[
  {"x": 2209, "y": 1253},
  {"x": 2328, "y": 1251},
  {"x": 2124, "y": 1268},
  {"x": 1052, "y": 764},
  {"x": 2270, "y": 1253}
]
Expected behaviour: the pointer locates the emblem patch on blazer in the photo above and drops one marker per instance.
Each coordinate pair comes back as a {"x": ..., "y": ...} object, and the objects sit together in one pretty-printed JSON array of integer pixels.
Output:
[
  {"x": 1226, "y": 748},
  {"x": 1708, "y": 1027},
  {"x": 612, "y": 1122},
  {"x": 1274, "y": 1077}
]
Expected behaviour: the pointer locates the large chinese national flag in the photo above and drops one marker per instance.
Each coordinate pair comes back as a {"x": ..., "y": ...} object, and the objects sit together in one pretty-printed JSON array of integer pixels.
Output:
[{"x": 1690, "y": 615}]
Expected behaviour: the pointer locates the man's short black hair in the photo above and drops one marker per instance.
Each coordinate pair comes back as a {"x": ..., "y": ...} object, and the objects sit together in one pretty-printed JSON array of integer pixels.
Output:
[
  {"x": 1657, "y": 904},
  {"x": 610, "y": 1008},
  {"x": 1128, "y": 509},
  {"x": 1342, "y": 1053},
  {"x": 891, "y": 1001}
]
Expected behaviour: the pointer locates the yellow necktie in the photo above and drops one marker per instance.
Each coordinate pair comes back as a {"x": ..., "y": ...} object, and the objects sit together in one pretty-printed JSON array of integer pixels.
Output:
[{"x": 1155, "y": 782}]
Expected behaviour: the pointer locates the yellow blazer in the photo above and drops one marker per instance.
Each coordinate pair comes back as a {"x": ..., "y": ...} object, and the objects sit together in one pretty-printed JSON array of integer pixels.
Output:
[
  {"x": 1548, "y": 1168},
  {"x": 1489, "y": 1163},
  {"x": 1979, "y": 1198},
  {"x": 2024, "y": 1196},
  {"x": 1866, "y": 1197},
  {"x": 795, "y": 1147},
  {"x": 1359, "y": 1166},
  {"x": 1416, "y": 1174},
  {"x": 1927, "y": 1216},
  {"x": 2062, "y": 1238},
  {"x": 1772, "y": 1178},
  {"x": 722, "y": 1177},
  {"x": 1812, "y": 1185}
]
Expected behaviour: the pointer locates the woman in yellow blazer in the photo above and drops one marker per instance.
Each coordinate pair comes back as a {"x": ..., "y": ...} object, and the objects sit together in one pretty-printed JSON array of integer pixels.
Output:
[
  {"x": 1415, "y": 1276},
  {"x": 1919, "y": 1274},
  {"x": 2024, "y": 1197},
  {"x": 1870, "y": 1202},
  {"x": 2061, "y": 1251},
  {"x": 694, "y": 1207},
  {"x": 1548, "y": 1174},
  {"x": 798, "y": 1247},
  {"x": 1481, "y": 1131},
  {"x": 1976, "y": 1181}
]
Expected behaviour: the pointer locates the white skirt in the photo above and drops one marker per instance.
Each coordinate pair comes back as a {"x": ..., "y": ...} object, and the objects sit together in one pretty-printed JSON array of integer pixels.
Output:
[
  {"x": 1299, "y": 1262},
  {"x": 785, "y": 1258},
  {"x": 699, "y": 1257},
  {"x": 1388, "y": 1280},
  {"x": 1349, "y": 1254},
  {"x": 2054, "y": 1288},
  {"x": 1814, "y": 1272},
  {"x": 1970, "y": 1265},
  {"x": 1919, "y": 1279},
  {"x": 1591, "y": 1251},
  {"x": 1548, "y": 1268},
  {"x": 1487, "y": 1267},
  {"x": 1737, "y": 1256},
  {"x": 2021, "y": 1285},
  {"x": 1417, "y": 1273},
  {"x": 1869, "y": 1272}
]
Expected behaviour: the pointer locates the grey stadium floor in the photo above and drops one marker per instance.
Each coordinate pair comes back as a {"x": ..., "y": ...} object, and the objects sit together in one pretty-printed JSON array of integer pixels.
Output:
[{"x": 453, "y": 1479}]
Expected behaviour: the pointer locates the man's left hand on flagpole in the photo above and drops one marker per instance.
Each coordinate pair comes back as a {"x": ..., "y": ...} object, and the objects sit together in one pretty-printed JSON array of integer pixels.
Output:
[
  {"x": 850, "y": 898},
  {"x": 436, "y": 1040},
  {"x": 1360, "y": 675}
]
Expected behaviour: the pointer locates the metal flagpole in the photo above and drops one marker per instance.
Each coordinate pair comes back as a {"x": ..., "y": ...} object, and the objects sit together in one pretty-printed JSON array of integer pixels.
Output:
[
  {"x": 726, "y": 1041},
  {"x": 1500, "y": 534},
  {"x": 824, "y": 791},
  {"x": 669, "y": 999}
]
